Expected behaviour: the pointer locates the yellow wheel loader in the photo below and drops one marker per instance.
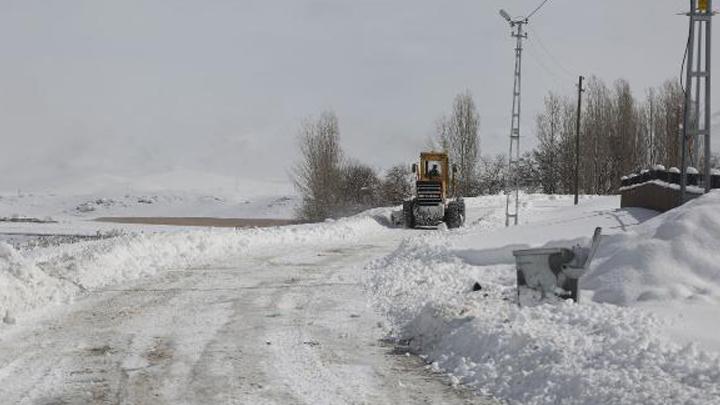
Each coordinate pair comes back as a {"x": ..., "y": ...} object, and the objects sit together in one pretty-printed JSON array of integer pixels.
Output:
[{"x": 432, "y": 204}]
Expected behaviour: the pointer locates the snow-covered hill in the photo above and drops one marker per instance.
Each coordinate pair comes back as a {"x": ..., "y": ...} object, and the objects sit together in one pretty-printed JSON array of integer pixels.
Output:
[{"x": 70, "y": 207}]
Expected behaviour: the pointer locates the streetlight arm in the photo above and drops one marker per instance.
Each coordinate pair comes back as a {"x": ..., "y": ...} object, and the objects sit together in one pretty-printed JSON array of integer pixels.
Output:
[{"x": 505, "y": 15}]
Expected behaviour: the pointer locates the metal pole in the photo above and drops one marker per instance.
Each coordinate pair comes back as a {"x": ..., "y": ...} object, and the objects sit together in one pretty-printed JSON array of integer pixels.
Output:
[
  {"x": 652, "y": 128},
  {"x": 708, "y": 71},
  {"x": 700, "y": 14},
  {"x": 694, "y": 152},
  {"x": 512, "y": 184},
  {"x": 688, "y": 101},
  {"x": 577, "y": 140}
]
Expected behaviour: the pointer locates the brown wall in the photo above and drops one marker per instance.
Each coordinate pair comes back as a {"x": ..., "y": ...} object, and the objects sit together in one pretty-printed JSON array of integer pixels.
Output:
[{"x": 652, "y": 196}]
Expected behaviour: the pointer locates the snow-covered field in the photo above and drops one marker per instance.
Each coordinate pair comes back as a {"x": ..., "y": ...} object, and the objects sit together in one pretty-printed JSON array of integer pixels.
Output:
[
  {"x": 71, "y": 209},
  {"x": 642, "y": 333}
]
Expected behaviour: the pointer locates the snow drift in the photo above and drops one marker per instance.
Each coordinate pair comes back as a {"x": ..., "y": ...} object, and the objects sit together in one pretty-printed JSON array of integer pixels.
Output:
[
  {"x": 675, "y": 255},
  {"x": 551, "y": 354},
  {"x": 592, "y": 353},
  {"x": 32, "y": 279}
]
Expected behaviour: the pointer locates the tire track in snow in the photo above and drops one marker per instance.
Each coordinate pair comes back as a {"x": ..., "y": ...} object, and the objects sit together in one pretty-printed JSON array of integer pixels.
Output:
[{"x": 202, "y": 337}]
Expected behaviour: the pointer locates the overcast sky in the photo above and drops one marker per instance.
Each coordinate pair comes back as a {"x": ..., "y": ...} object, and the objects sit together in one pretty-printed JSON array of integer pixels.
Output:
[{"x": 131, "y": 86}]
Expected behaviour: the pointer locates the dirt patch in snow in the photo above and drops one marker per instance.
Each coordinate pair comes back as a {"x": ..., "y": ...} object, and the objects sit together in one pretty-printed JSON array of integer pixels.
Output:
[{"x": 201, "y": 221}]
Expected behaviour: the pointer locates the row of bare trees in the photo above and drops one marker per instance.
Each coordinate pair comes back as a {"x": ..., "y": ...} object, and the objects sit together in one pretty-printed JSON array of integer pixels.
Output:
[
  {"x": 619, "y": 135},
  {"x": 331, "y": 185}
]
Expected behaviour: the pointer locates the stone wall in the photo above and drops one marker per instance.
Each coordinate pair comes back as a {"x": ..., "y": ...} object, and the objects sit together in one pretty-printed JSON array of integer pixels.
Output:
[{"x": 659, "y": 189}]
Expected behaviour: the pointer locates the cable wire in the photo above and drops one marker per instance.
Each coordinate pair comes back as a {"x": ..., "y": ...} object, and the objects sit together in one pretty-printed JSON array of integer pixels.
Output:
[
  {"x": 537, "y": 9},
  {"x": 535, "y": 39},
  {"x": 685, "y": 55},
  {"x": 552, "y": 75}
]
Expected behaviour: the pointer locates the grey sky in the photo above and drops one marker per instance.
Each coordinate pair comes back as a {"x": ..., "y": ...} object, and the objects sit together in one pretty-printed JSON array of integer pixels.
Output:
[{"x": 132, "y": 86}]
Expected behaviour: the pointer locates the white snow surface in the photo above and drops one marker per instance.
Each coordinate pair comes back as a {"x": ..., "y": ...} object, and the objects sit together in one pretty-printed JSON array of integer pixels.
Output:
[
  {"x": 621, "y": 344},
  {"x": 55, "y": 275},
  {"x": 674, "y": 256},
  {"x": 174, "y": 193},
  {"x": 641, "y": 334}
]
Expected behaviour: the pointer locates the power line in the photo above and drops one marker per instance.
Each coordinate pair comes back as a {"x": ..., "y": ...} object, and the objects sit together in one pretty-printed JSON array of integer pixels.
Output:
[
  {"x": 535, "y": 39},
  {"x": 687, "y": 47},
  {"x": 537, "y": 9},
  {"x": 552, "y": 74}
]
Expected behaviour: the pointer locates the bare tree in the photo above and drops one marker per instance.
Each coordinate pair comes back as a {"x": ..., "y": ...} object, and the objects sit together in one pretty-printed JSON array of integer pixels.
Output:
[
  {"x": 555, "y": 154},
  {"x": 619, "y": 136},
  {"x": 492, "y": 173},
  {"x": 568, "y": 139},
  {"x": 398, "y": 184},
  {"x": 359, "y": 188},
  {"x": 459, "y": 138},
  {"x": 529, "y": 172},
  {"x": 625, "y": 147},
  {"x": 548, "y": 152},
  {"x": 671, "y": 104},
  {"x": 318, "y": 175},
  {"x": 597, "y": 125},
  {"x": 648, "y": 129}
]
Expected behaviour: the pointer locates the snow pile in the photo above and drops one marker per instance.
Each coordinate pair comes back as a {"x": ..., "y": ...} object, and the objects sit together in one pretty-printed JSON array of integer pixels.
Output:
[
  {"x": 550, "y": 354},
  {"x": 35, "y": 278},
  {"x": 591, "y": 353},
  {"x": 402, "y": 298},
  {"x": 672, "y": 256},
  {"x": 22, "y": 284}
]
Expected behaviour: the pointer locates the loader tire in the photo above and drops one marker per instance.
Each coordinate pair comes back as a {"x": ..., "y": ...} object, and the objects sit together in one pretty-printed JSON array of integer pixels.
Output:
[
  {"x": 455, "y": 215},
  {"x": 408, "y": 215}
]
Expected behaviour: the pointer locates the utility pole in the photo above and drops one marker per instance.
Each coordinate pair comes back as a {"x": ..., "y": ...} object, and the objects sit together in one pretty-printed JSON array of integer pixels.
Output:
[
  {"x": 512, "y": 182},
  {"x": 577, "y": 139},
  {"x": 696, "y": 123},
  {"x": 653, "y": 161}
]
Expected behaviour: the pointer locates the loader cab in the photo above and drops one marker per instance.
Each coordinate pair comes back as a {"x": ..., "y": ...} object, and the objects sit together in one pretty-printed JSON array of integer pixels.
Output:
[{"x": 434, "y": 168}]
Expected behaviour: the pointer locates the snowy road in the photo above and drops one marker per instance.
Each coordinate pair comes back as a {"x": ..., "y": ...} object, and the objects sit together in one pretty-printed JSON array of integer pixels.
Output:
[
  {"x": 297, "y": 314},
  {"x": 290, "y": 327}
]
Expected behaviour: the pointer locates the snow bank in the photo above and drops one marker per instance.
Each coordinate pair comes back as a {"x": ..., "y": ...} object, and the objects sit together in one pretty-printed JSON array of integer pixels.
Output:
[
  {"x": 24, "y": 285},
  {"x": 29, "y": 280},
  {"x": 592, "y": 353},
  {"x": 550, "y": 354},
  {"x": 675, "y": 255}
]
